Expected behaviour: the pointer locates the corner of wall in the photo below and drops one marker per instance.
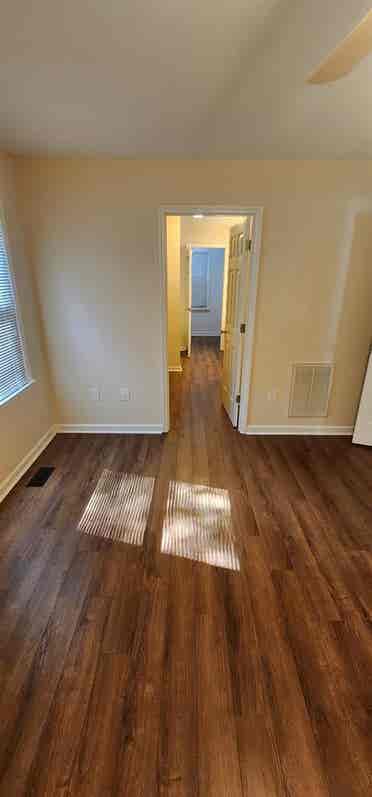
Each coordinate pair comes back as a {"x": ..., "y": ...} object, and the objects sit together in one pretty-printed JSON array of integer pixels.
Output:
[{"x": 28, "y": 418}]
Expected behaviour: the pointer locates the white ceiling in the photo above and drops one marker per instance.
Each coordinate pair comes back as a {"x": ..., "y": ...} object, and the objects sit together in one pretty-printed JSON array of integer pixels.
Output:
[{"x": 180, "y": 79}]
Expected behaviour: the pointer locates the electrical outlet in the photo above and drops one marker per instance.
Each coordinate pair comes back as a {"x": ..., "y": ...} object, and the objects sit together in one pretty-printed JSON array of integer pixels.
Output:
[
  {"x": 124, "y": 394},
  {"x": 94, "y": 393},
  {"x": 273, "y": 394}
]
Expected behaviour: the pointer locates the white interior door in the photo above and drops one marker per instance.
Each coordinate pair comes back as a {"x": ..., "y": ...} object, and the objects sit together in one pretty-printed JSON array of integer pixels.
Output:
[
  {"x": 363, "y": 426},
  {"x": 236, "y": 304}
]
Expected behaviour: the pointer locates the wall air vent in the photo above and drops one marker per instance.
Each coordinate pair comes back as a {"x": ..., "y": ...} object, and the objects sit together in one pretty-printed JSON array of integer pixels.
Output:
[{"x": 310, "y": 390}]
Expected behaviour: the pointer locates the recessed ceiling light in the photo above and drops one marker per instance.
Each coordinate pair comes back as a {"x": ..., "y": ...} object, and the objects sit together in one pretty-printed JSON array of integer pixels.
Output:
[{"x": 198, "y": 216}]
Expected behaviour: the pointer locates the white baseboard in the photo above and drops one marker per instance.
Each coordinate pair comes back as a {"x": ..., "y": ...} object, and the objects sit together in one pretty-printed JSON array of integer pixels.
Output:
[
  {"x": 109, "y": 428},
  {"x": 317, "y": 431},
  {"x": 175, "y": 369},
  {"x": 7, "y": 484}
]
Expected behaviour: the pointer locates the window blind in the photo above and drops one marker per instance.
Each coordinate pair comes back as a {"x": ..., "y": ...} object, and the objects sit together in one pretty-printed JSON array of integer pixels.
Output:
[{"x": 13, "y": 371}]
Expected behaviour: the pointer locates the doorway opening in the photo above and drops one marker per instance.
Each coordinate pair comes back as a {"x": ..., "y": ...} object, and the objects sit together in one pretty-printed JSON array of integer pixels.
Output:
[
  {"x": 202, "y": 291},
  {"x": 210, "y": 260}
]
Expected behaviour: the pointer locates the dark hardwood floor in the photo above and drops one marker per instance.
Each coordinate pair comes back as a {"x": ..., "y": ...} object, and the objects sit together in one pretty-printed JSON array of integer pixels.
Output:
[{"x": 125, "y": 671}]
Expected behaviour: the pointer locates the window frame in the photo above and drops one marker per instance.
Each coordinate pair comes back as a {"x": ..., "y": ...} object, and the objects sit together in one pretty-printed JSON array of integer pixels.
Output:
[{"x": 18, "y": 312}]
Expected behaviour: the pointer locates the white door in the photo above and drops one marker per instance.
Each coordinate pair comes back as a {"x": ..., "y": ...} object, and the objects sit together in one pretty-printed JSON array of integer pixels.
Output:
[
  {"x": 236, "y": 304},
  {"x": 363, "y": 426}
]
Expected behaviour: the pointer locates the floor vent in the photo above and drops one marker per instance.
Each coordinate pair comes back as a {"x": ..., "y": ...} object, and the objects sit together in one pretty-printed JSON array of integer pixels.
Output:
[
  {"x": 40, "y": 477},
  {"x": 310, "y": 390}
]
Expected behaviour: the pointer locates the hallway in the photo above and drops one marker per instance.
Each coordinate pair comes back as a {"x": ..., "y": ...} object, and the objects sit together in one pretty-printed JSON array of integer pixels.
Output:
[{"x": 141, "y": 670}]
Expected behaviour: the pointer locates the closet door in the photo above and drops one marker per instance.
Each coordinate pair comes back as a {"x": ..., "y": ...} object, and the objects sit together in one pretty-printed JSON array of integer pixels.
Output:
[{"x": 363, "y": 426}]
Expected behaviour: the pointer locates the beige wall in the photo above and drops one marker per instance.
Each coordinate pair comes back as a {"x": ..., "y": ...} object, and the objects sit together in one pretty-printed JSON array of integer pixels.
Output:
[
  {"x": 173, "y": 291},
  {"x": 27, "y": 417},
  {"x": 92, "y": 227}
]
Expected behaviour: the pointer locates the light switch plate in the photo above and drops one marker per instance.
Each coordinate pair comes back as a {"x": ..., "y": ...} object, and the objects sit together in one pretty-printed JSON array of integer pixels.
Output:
[
  {"x": 94, "y": 393},
  {"x": 124, "y": 394}
]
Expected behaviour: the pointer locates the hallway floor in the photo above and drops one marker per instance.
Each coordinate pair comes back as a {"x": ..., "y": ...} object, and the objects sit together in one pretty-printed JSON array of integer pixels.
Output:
[{"x": 141, "y": 670}]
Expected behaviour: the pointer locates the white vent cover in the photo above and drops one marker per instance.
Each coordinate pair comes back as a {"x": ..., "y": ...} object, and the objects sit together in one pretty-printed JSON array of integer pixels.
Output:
[{"x": 310, "y": 390}]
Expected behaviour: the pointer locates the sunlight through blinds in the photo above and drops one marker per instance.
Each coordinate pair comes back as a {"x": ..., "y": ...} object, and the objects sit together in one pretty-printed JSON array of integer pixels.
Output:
[{"x": 13, "y": 372}]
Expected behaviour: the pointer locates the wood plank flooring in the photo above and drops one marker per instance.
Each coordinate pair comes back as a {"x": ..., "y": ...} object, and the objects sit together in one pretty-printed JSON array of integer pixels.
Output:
[{"x": 125, "y": 671}]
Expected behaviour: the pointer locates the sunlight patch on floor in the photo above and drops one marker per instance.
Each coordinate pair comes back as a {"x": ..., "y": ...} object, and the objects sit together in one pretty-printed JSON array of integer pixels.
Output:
[
  {"x": 198, "y": 525},
  {"x": 119, "y": 507}
]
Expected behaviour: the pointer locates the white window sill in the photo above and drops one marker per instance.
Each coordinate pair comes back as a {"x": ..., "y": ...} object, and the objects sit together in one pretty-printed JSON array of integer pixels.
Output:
[{"x": 17, "y": 392}]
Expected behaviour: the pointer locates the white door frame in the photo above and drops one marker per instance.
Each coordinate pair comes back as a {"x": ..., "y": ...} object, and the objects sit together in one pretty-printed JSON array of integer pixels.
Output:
[{"x": 214, "y": 210}]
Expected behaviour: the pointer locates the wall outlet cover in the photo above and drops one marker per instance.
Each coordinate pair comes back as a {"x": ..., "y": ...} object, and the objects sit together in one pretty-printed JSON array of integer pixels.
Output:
[{"x": 94, "y": 393}]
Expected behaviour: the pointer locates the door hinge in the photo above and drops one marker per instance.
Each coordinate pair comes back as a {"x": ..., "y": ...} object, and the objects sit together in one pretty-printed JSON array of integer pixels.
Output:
[
  {"x": 242, "y": 329},
  {"x": 238, "y": 399}
]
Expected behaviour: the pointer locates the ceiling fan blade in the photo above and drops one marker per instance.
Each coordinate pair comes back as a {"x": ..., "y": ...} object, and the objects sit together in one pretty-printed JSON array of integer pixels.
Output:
[{"x": 347, "y": 54}]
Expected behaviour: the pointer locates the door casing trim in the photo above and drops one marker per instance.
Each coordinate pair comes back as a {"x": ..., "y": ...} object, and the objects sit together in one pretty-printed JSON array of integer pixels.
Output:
[{"x": 256, "y": 212}]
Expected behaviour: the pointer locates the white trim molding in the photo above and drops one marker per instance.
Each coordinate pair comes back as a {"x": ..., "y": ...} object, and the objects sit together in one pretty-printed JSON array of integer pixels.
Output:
[
  {"x": 14, "y": 477},
  {"x": 316, "y": 431},
  {"x": 109, "y": 428},
  {"x": 256, "y": 212},
  {"x": 17, "y": 392}
]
